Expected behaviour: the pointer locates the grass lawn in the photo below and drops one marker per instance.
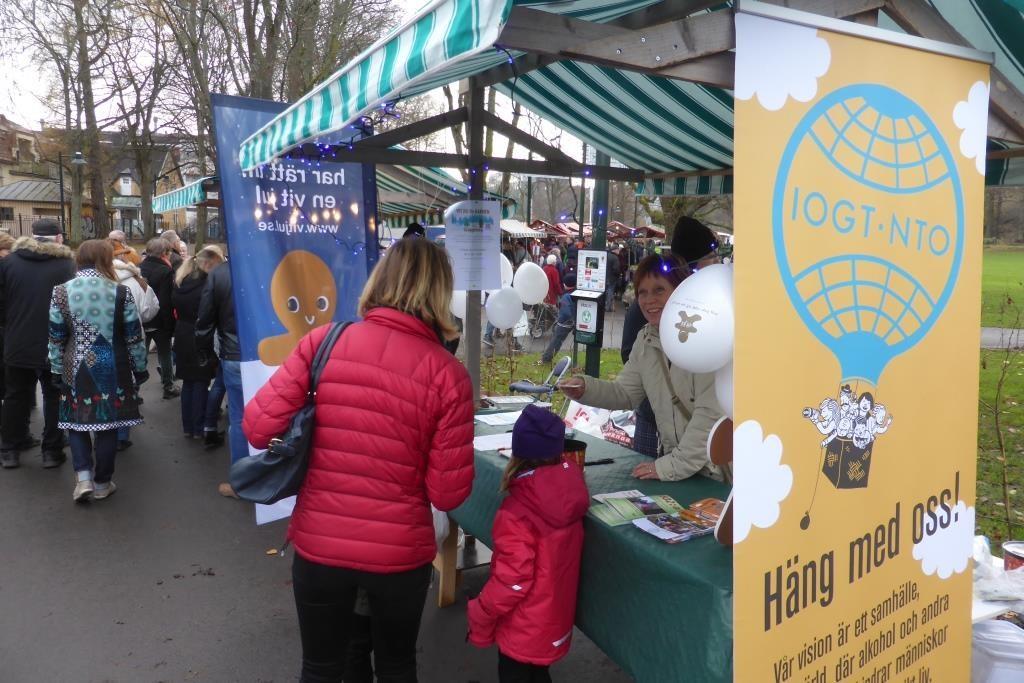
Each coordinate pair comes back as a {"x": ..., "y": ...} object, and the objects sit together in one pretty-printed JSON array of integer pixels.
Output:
[
  {"x": 992, "y": 504},
  {"x": 1002, "y": 287}
]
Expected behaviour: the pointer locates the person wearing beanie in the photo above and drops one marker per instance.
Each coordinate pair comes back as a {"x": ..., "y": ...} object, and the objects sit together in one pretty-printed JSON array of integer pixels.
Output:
[
  {"x": 528, "y": 605},
  {"x": 695, "y": 243},
  {"x": 555, "y": 288}
]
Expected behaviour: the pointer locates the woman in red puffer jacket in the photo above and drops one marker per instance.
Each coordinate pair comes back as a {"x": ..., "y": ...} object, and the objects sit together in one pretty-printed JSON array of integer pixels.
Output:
[
  {"x": 529, "y": 603},
  {"x": 393, "y": 435}
]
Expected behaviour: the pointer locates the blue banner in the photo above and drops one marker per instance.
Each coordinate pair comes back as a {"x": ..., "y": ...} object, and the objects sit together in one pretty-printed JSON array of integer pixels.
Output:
[{"x": 297, "y": 233}]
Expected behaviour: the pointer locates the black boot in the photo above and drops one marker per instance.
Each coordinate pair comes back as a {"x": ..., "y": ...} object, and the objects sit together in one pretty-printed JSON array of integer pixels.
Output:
[{"x": 213, "y": 439}]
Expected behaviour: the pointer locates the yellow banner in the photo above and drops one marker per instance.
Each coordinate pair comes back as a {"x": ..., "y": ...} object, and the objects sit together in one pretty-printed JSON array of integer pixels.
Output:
[{"x": 859, "y": 184}]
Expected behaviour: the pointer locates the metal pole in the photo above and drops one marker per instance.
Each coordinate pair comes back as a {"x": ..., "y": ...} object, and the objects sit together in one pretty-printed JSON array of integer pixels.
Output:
[
  {"x": 581, "y": 211},
  {"x": 599, "y": 219},
  {"x": 60, "y": 181},
  {"x": 529, "y": 194},
  {"x": 475, "y": 107}
]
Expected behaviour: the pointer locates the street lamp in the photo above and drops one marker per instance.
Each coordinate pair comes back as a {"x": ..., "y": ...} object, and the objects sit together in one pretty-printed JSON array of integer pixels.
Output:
[{"x": 77, "y": 162}]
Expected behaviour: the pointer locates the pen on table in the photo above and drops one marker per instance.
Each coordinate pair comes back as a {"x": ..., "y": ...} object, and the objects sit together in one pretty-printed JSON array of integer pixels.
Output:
[{"x": 604, "y": 461}]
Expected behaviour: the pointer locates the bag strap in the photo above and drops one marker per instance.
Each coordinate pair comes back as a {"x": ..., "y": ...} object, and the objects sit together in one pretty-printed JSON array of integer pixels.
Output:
[
  {"x": 671, "y": 389},
  {"x": 322, "y": 354}
]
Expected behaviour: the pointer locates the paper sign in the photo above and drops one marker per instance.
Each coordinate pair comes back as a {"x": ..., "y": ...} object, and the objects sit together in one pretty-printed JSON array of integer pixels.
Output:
[
  {"x": 473, "y": 241},
  {"x": 586, "y": 316},
  {"x": 591, "y": 270}
]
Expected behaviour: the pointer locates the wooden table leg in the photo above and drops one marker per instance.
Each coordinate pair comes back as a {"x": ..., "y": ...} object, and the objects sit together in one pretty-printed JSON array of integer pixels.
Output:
[{"x": 446, "y": 564}]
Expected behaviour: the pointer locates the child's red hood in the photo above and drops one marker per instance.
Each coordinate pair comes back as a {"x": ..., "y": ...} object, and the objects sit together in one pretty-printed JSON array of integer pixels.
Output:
[{"x": 553, "y": 494}]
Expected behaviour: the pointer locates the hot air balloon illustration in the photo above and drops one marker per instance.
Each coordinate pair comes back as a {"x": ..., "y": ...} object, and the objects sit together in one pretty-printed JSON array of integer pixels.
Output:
[{"x": 869, "y": 265}]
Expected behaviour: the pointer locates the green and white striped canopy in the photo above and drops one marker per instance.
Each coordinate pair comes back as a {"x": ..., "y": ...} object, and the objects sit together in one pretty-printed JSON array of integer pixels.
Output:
[
  {"x": 650, "y": 123},
  {"x": 439, "y": 186},
  {"x": 183, "y": 197}
]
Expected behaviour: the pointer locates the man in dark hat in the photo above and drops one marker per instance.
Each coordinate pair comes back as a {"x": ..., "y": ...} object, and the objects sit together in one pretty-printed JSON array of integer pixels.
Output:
[
  {"x": 36, "y": 265},
  {"x": 695, "y": 243},
  {"x": 414, "y": 229}
]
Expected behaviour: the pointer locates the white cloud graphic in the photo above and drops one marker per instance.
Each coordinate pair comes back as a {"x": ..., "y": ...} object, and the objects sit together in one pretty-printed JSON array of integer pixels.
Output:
[
  {"x": 948, "y": 550},
  {"x": 776, "y": 60},
  {"x": 971, "y": 116},
  {"x": 761, "y": 481}
]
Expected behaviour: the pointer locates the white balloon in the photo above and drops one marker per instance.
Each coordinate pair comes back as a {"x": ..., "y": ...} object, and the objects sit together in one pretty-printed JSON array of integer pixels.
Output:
[
  {"x": 697, "y": 321},
  {"x": 531, "y": 283},
  {"x": 506, "y": 271},
  {"x": 458, "y": 305},
  {"x": 723, "y": 388},
  {"x": 504, "y": 308}
]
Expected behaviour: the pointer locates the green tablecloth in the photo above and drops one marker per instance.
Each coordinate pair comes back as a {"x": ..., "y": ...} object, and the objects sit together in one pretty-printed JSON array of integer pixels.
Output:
[{"x": 662, "y": 612}]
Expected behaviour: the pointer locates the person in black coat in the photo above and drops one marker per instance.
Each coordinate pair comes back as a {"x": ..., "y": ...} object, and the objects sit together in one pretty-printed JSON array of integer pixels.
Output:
[
  {"x": 27, "y": 277},
  {"x": 195, "y": 376},
  {"x": 217, "y": 319},
  {"x": 156, "y": 268}
]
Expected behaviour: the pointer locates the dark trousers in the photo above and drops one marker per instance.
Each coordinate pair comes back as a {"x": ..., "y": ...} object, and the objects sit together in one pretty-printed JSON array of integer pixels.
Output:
[
  {"x": 20, "y": 390},
  {"x": 214, "y": 399},
  {"x": 511, "y": 671},
  {"x": 193, "y": 406},
  {"x": 557, "y": 339},
  {"x": 359, "y": 666},
  {"x": 645, "y": 436},
  {"x": 162, "y": 339},
  {"x": 84, "y": 445},
  {"x": 324, "y": 599}
]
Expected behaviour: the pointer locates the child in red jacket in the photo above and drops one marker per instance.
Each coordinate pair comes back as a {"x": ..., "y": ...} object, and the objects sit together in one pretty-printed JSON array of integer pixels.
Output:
[{"x": 529, "y": 603}]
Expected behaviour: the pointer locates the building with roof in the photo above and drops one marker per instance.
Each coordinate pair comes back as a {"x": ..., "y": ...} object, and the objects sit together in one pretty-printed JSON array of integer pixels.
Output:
[{"x": 23, "y": 201}]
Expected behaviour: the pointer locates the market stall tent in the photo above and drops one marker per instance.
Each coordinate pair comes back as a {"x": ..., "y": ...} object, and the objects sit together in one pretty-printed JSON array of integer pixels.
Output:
[{"x": 653, "y": 78}]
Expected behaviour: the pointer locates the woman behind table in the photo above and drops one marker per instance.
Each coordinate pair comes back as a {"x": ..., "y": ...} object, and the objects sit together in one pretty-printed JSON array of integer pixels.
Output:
[
  {"x": 195, "y": 377},
  {"x": 393, "y": 434},
  {"x": 97, "y": 358},
  {"x": 683, "y": 427}
]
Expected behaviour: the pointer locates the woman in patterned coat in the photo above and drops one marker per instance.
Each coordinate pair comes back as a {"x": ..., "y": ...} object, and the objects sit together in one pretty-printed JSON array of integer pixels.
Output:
[{"x": 97, "y": 359}]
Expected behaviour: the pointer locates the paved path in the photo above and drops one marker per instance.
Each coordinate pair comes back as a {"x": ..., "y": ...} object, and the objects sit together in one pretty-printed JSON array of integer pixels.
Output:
[
  {"x": 167, "y": 581},
  {"x": 1001, "y": 338},
  {"x": 998, "y": 338}
]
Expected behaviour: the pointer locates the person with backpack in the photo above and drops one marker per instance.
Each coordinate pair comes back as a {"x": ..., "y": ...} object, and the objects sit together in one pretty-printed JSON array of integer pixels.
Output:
[{"x": 528, "y": 604}]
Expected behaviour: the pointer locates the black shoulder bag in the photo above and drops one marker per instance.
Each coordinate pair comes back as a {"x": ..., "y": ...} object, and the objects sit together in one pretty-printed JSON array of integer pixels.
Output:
[{"x": 279, "y": 471}]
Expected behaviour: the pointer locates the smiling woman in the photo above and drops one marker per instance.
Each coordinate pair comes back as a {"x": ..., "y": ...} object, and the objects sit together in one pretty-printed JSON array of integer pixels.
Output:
[{"x": 683, "y": 403}]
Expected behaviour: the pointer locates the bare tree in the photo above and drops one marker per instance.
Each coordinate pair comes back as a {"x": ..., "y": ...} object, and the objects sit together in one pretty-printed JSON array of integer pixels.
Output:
[
  {"x": 91, "y": 25},
  {"x": 137, "y": 71}
]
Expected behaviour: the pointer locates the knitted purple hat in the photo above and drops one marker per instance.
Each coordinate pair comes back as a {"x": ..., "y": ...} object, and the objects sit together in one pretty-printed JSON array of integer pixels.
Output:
[{"x": 538, "y": 434}]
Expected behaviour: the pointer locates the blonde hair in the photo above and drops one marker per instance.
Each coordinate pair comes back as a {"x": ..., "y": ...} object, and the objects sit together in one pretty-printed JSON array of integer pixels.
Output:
[
  {"x": 6, "y": 242},
  {"x": 204, "y": 257},
  {"x": 517, "y": 466},
  {"x": 415, "y": 277}
]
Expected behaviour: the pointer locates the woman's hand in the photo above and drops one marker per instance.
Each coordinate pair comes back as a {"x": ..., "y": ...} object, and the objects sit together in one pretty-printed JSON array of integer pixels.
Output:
[
  {"x": 646, "y": 470},
  {"x": 572, "y": 387}
]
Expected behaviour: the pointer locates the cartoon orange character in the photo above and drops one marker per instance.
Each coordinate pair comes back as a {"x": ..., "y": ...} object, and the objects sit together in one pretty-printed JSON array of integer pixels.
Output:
[{"x": 304, "y": 296}]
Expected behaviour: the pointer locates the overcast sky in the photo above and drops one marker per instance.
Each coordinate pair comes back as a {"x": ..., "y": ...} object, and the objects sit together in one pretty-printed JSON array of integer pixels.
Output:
[{"x": 23, "y": 86}]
